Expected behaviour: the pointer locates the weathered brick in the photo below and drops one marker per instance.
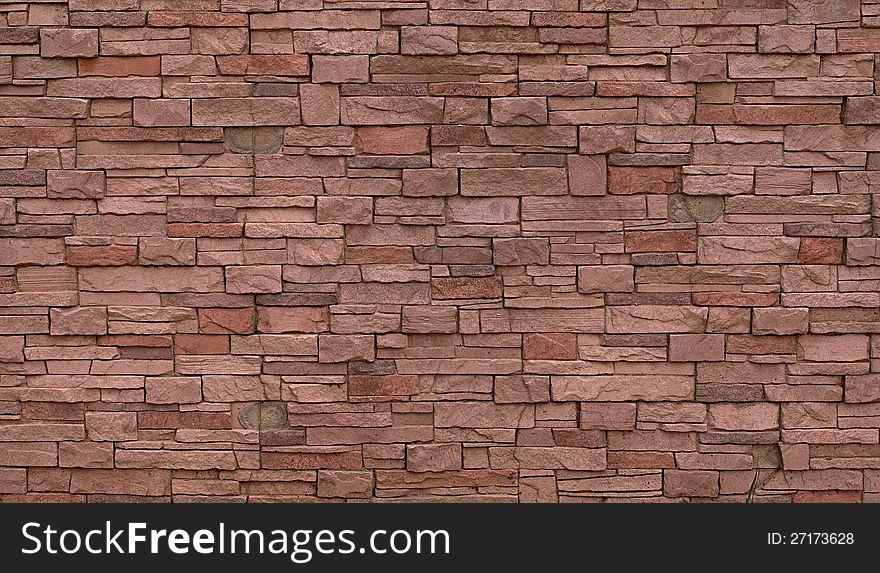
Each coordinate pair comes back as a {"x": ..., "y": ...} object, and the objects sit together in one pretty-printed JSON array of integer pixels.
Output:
[
  {"x": 345, "y": 484},
  {"x": 780, "y": 320},
  {"x": 621, "y": 388},
  {"x": 433, "y": 457},
  {"x": 79, "y": 320},
  {"x": 253, "y": 279},
  {"x": 751, "y": 417},
  {"x": 677, "y": 483},
  {"x": 696, "y": 347},
  {"x": 245, "y": 111},
  {"x": 161, "y": 112},
  {"x": 71, "y": 43},
  {"x": 392, "y": 140},
  {"x": 610, "y": 278},
  {"x": 143, "y": 482},
  {"x": 607, "y": 416},
  {"x": 550, "y": 346},
  {"x": 76, "y": 184},
  {"x": 698, "y": 68},
  {"x": 111, "y": 426},
  {"x": 428, "y": 40},
  {"x": 342, "y": 348},
  {"x": 833, "y": 348},
  {"x": 174, "y": 390},
  {"x": 481, "y": 415}
]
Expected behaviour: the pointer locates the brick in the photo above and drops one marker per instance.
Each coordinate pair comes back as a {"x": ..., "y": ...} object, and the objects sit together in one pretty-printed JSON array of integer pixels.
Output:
[
  {"x": 111, "y": 426},
  {"x": 772, "y": 66},
  {"x": 121, "y": 66},
  {"x": 430, "y": 182},
  {"x": 174, "y": 390},
  {"x": 862, "y": 251},
  {"x": 789, "y": 39},
  {"x": 862, "y": 388},
  {"x": 520, "y": 251},
  {"x": 345, "y": 484},
  {"x": 162, "y": 251},
  {"x": 587, "y": 175},
  {"x": 495, "y": 182},
  {"x": 71, "y": 43},
  {"x": 696, "y": 347},
  {"x": 466, "y": 287},
  {"x": 550, "y": 346},
  {"x": 219, "y": 41},
  {"x": 149, "y": 482},
  {"x": 621, "y": 388},
  {"x": 274, "y": 319},
  {"x": 400, "y": 110},
  {"x": 425, "y": 320},
  {"x": 698, "y": 68},
  {"x": 84, "y": 320},
  {"x": 519, "y": 111},
  {"x": 201, "y": 344},
  {"x": 795, "y": 456},
  {"x": 428, "y": 40},
  {"x": 85, "y": 455},
  {"x": 110, "y": 87},
  {"x": 320, "y": 104},
  {"x": 76, "y": 184},
  {"x": 433, "y": 457},
  {"x": 11, "y": 349},
  {"x": 479, "y": 415},
  {"x": 226, "y": 320},
  {"x": 655, "y": 318},
  {"x": 482, "y": 210},
  {"x": 606, "y": 139},
  {"x": 517, "y": 389},
  {"x": 157, "y": 279},
  {"x": 340, "y": 348},
  {"x": 245, "y": 111},
  {"x": 347, "y": 210},
  {"x": 382, "y": 386},
  {"x": 677, "y": 483},
  {"x": 833, "y": 348},
  {"x": 584, "y": 459},
  {"x": 607, "y": 416},
  {"x": 340, "y": 69},
  {"x": 161, "y": 112},
  {"x": 225, "y": 388},
  {"x": 392, "y": 140},
  {"x": 749, "y": 417},
  {"x": 611, "y": 278},
  {"x": 110, "y": 255},
  {"x": 747, "y": 250},
  {"x": 39, "y": 454},
  {"x": 651, "y": 440},
  {"x": 26, "y": 136},
  {"x": 463, "y": 478},
  {"x": 822, "y": 11},
  {"x": 817, "y": 479},
  {"x": 253, "y": 279},
  {"x": 660, "y": 241},
  {"x": 780, "y": 321}
]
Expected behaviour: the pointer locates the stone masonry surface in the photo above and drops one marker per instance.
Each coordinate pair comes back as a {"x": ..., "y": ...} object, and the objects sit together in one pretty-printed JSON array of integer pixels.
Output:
[{"x": 443, "y": 250}]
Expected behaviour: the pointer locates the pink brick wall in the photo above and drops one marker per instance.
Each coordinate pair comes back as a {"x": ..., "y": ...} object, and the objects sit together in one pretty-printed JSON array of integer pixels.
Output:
[{"x": 456, "y": 250}]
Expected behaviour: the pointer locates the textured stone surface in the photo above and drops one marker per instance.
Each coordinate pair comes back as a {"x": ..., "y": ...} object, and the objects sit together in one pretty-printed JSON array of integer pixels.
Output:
[{"x": 552, "y": 251}]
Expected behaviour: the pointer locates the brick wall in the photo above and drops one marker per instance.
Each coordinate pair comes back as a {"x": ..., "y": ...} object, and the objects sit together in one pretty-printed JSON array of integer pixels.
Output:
[{"x": 454, "y": 250}]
